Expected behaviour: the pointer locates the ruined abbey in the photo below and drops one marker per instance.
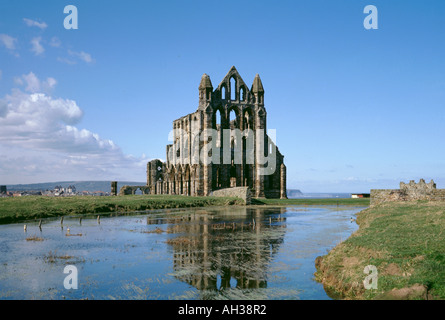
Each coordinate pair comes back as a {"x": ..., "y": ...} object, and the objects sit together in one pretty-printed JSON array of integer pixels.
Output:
[{"x": 223, "y": 144}]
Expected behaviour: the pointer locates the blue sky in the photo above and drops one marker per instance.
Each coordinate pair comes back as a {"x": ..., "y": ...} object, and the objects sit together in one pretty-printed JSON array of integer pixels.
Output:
[{"x": 354, "y": 109}]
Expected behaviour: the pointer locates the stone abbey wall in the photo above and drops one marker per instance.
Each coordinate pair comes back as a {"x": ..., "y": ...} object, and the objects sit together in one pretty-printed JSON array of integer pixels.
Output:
[
  {"x": 408, "y": 192},
  {"x": 230, "y": 121},
  {"x": 240, "y": 192}
]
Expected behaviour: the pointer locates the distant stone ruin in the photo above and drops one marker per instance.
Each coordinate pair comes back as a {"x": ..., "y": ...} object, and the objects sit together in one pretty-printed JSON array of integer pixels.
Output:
[
  {"x": 418, "y": 189},
  {"x": 128, "y": 190},
  {"x": 114, "y": 188},
  {"x": 408, "y": 192}
]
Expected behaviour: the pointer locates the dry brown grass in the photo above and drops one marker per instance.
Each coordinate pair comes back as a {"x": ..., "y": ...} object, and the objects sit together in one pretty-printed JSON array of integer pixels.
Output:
[
  {"x": 34, "y": 238},
  {"x": 52, "y": 257}
]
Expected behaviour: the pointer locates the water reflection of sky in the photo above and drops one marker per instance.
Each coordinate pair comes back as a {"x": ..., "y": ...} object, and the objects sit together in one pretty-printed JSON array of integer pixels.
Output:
[{"x": 210, "y": 253}]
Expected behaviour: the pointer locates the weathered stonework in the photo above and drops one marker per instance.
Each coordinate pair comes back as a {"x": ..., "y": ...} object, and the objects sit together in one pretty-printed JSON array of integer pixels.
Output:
[
  {"x": 240, "y": 192},
  {"x": 418, "y": 189},
  {"x": 408, "y": 192},
  {"x": 127, "y": 190},
  {"x": 178, "y": 175},
  {"x": 114, "y": 188}
]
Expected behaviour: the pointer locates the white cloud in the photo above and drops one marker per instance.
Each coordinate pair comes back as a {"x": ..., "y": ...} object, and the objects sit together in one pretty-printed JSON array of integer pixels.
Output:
[
  {"x": 86, "y": 57},
  {"x": 8, "y": 41},
  {"x": 65, "y": 60},
  {"x": 33, "y": 84},
  {"x": 40, "y": 141},
  {"x": 50, "y": 82},
  {"x": 33, "y": 23},
  {"x": 75, "y": 57},
  {"x": 33, "y": 116},
  {"x": 37, "y": 47},
  {"x": 23, "y": 165},
  {"x": 55, "y": 42}
]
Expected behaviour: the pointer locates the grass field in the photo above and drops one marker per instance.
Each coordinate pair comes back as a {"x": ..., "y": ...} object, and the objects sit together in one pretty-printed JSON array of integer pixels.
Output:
[
  {"x": 37, "y": 207},
  {"x": 405, "y": 241}
]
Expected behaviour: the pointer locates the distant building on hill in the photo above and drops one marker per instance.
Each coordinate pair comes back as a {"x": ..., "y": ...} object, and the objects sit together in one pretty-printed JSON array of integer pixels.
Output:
[
  {"x": 3, "y": 190},
  {"x": 59, "y": 191}
]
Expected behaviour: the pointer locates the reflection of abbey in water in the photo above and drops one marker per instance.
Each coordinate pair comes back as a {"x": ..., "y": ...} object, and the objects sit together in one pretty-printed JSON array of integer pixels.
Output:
[
  {"x": 210, "y": 254},
  {"x": 230, "y": 106}
]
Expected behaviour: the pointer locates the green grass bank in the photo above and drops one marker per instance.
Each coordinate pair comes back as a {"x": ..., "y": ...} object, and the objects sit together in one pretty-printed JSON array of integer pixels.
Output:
[
  {"x": 406, "y": 243},
  {"x": 38, "y": 207}
]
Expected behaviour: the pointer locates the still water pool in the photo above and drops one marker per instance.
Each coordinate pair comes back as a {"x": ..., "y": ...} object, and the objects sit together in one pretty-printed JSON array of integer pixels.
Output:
[{"x": 200, "y": 253}]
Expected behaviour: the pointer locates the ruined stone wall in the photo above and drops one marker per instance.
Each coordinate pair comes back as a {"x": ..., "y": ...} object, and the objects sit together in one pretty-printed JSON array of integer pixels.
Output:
[
  {"x": 381, "y": 195},
  {"x": 128, "y": 190},
  {"x": 408, "y": 192},
  {"x": 240, "y": 192},
  {"x": 114, "y": 188}
]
